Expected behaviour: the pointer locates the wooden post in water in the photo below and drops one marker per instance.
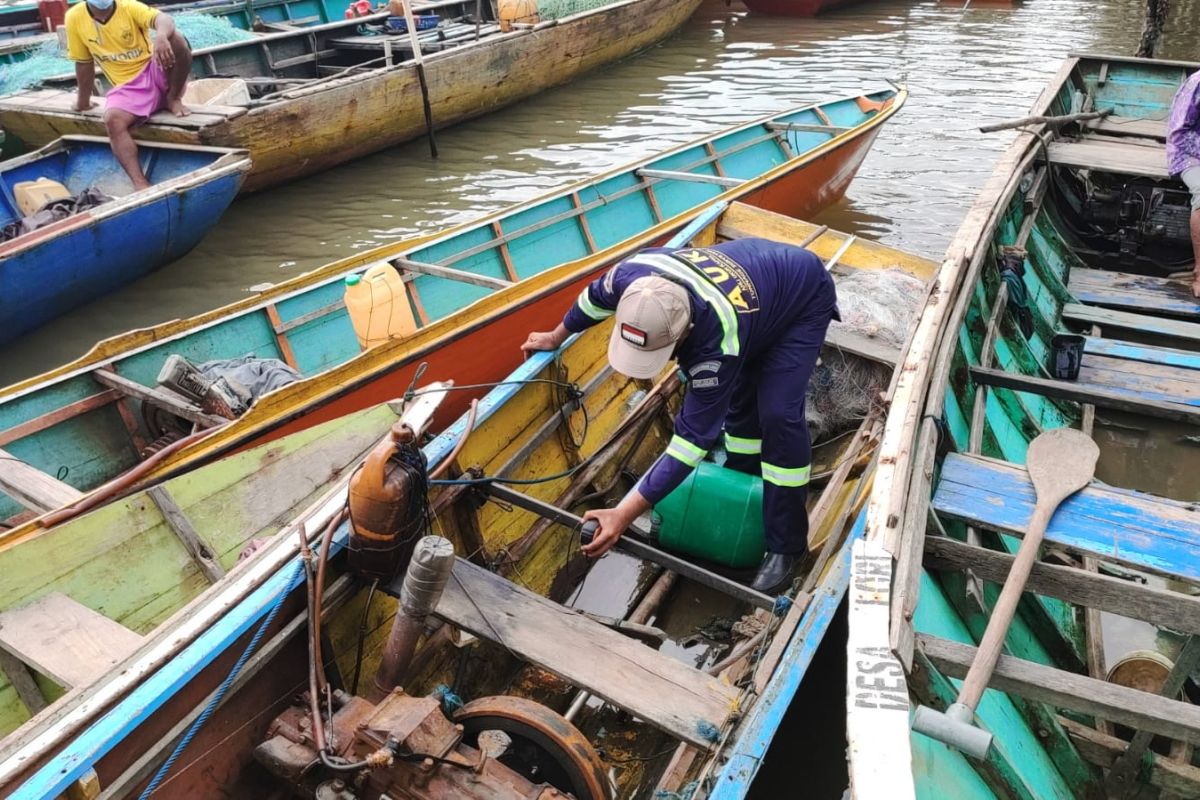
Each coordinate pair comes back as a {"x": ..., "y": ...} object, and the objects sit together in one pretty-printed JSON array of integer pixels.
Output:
[{"x": 411, "y": 23}]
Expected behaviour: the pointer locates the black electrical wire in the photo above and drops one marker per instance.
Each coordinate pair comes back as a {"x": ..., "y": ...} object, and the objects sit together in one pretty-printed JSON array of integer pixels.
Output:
[{"x": 362, "y": 637}]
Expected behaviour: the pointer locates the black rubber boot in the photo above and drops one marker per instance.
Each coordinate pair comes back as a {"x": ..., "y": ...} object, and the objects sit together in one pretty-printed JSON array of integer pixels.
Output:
[{"x": 774, "y": 574}]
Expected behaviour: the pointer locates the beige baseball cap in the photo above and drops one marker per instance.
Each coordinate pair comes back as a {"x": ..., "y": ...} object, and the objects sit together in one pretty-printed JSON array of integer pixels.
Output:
[{"x": 651, "y": 317}]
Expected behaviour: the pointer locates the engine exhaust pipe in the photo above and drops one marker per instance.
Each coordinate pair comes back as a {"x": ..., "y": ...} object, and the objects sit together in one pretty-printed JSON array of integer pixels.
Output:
[{"x": 424, "y": 581}]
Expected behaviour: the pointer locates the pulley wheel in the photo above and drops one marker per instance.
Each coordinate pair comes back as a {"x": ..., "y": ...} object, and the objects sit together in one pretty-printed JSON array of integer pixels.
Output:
[
  {"x": 545, "y": 748},
  {"x": 160, "y": 422}
]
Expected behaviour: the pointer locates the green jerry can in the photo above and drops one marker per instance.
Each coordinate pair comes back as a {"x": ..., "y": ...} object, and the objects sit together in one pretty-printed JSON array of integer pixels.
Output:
[{"x": 716, "y": 514}]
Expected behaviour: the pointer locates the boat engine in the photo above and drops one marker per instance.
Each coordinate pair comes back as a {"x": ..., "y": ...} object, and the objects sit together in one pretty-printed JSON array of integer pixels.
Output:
[
  {"x": 405, "y": 748},
  {"x": 1141, "y": 226}
]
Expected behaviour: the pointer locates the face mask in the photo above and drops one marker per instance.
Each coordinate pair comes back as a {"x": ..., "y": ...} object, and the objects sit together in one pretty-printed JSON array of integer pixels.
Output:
[{"x": 101, "y": 5}]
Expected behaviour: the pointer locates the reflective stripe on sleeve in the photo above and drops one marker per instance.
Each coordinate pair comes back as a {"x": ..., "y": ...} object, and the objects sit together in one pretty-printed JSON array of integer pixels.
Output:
[
  {"x": 591, "y": 309},
  {"x": 684, "y": 451},
  {"x": 786, "y": 476},
  {"x": 741, "y": 446},
  {"x": 707, "y": 290}
]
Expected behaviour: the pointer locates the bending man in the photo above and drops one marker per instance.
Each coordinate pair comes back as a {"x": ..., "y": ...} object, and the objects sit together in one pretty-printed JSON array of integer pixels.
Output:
[
  {"x": 745, "y": 321},
  {"x": 1183, "y": 156},
  {"x": 116, "y": 33}
]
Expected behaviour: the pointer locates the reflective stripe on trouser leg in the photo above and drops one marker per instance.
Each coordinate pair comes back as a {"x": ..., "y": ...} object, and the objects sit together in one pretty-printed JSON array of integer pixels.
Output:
[
  {"x": 742, "y": 446},
  {"x": 787, "y": 477}
]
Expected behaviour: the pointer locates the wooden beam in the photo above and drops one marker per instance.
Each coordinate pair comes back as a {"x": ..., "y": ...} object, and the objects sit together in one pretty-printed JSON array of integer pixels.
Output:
[
  {"x": 664, "y": 692},
  {"x": 906, "y": 577},
  {"x": 33, "y": 488},
  {"x": 672, "y": 175},
  {"x": 800, "y": 127},
  {"x": 505, "y": 256},
  {"x": 1079, "y": 587},
  {"x": 1087, "y": 393},
  {"x": 200, "y": 551},
  {"x": 1110, "y": 156},
  {"x": 975, "y": 435},
  {"x": 450, "y": 273},
  {"x": 52, "y": 418},
  {"x": 584, "y": 228},
  {"x": 1175, "y": 777},
  {"x": 281, "y": 340},
  {"x": 316, "y": 313},
  {"x": 162, "y": 398},
  {"x": 861, "y": 345},
  {"x": 22, "y": 681},
  {"x": 1119, "y": 704}
]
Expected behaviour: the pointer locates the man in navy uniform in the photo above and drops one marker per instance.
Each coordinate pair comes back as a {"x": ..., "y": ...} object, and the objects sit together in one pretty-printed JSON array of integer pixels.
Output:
[{"x": 745, "y": 321}]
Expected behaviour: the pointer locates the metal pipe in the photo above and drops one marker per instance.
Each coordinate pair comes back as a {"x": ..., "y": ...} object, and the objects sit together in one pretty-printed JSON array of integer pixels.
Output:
[{"x": 430, "y": 568}]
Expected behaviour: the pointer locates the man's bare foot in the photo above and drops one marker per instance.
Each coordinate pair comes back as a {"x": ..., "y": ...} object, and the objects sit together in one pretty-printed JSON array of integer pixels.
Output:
[
  {"x": 1196, "y": 285},
  {"x": 139, "y": 185},
  {"x": 177, "y": 108}
]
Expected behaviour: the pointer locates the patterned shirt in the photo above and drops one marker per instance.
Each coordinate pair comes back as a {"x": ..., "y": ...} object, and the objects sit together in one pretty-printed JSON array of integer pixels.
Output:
[{"x": 1183, "y": 127}]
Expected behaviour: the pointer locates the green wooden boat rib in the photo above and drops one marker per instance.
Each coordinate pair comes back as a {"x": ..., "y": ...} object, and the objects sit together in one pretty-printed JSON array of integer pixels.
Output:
[
  {"x": 1076, "y": 234},
  {"x": 140, "y": 571},
  {"x": 92, "y": 420}
]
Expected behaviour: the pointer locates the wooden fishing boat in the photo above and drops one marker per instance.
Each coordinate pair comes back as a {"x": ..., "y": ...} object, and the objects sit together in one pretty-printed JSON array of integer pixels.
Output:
[
  {"x": 1071, "y": 242},
  {"x": 325, "y": 95},
  {"x": 476, "y": 290},
  {"x": 796, "y": 8},
  {"x": 51, "y": 269},
  {"x": 21, "y": 30},
  {"x": 566, "y": 432}
]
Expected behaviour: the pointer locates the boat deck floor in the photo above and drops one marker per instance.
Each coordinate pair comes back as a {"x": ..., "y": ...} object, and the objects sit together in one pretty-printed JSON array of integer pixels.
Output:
[
  {"x": 1140, "y": 530},
  {"x": 675, "y": 697}
]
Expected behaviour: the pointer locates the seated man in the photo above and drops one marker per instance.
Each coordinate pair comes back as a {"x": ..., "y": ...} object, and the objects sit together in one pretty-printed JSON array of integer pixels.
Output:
[
  {"x": 116, "y": 33},
  {"x": 1183, "y": 156}
]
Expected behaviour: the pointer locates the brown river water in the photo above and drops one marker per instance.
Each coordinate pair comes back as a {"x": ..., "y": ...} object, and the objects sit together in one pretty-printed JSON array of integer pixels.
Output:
[{"x": 964, "y": 67}]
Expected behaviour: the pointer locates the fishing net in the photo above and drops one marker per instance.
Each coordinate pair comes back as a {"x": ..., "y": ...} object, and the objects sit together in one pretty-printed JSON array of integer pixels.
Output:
[
  {"x": 875, "y": 303},
  {"x": 47, "y": 59}
]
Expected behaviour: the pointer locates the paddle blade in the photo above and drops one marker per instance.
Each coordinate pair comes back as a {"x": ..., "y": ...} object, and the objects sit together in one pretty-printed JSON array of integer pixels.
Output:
[{"x": 1061, "y": 462}]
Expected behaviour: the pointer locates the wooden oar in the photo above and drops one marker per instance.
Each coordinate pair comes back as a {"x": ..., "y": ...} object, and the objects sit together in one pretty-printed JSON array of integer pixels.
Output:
[
  {"x": 1060, "y": 463},
  {"x": 416, "y": 46}
]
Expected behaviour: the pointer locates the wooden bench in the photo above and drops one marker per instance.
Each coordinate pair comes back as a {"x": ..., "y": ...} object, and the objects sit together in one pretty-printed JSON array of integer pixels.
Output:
[
  {"x": 1141, "y": 379},
  {"x": 1111, "y": 156},
  {"x": 1167, "y": 356},
  {"x": 1120, "y": 525},
  {"x": 66, "y": 641},
  {"x": 1114, "y": 125},
  {"x": 1182, "y": 330},
  {"x": 1133, "y": 292},
  {"x": 667, "y": 693}
]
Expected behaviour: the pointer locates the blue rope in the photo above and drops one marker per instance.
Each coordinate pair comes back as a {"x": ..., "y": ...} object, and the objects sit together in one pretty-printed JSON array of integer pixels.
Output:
[
  {"x": 708, "y": 731},
  {"x": 451, "y": 702},
  {"x": 782, "y": 604},
  {"x": 686, "y": 793},
  {"x": 224, "y": 687}
]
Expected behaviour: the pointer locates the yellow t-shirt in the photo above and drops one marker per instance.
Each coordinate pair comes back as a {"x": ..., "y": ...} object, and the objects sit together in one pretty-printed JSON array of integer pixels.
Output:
[{"x": 121, "y": 46}]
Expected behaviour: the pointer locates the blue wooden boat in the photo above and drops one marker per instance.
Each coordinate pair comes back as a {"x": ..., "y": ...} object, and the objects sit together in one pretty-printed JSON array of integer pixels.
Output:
[
  {"x": 1072, "y": 244},
  {"x": 50, "y": 270},
  {"x": 664, "y": 717},
  {"x": 475, "y": 291}
]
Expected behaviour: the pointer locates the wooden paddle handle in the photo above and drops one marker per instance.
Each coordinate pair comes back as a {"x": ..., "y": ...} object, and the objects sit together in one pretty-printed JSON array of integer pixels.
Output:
[{"x": 1005, "y": 608}]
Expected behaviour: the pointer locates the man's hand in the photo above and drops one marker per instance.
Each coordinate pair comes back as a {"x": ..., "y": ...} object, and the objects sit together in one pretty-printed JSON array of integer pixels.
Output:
[
  {"x": 163, "y": 53},
  {"x": 545, "y": 340},
  {"x": 612, "y": 524}
]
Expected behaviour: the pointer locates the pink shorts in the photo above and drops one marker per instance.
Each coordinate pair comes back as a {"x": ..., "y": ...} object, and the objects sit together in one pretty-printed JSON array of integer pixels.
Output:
[{"x": 142, "y": 96}]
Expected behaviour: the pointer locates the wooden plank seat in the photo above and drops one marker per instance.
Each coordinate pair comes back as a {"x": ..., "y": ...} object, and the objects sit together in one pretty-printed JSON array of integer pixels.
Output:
[
  {"x": 667, "y": 693},
  {"x": 1120, "y": 525},
  {"x": 64, "y": 100},
  {"x": 1111, "y": 156},
  {"x": 1133, "y": 292},
  {"x": 1140, "y": 379},
  {"x": 1180, "y": 330},
  {"x": 1115, "y": 348},
  {"x": 62, "y": 639},
  {"x": 1114, "y": 125}
]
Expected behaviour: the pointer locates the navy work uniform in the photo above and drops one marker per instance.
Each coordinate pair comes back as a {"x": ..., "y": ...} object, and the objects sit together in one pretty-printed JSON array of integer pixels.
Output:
[{"x": 760, "y": 310}]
